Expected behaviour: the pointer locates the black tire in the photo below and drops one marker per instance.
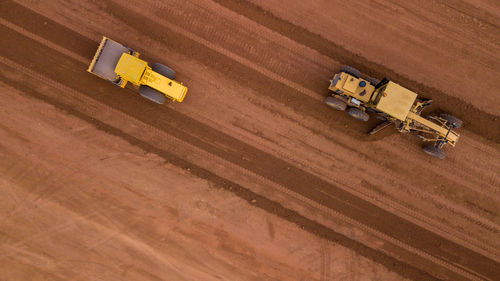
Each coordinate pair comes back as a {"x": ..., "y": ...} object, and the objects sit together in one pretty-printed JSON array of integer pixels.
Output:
[
  {"x": 452, "y": 120},
  {"x": 351, "y": 70},
  {"x": 358, "y": 114},
  {"x": 336, "y": 103},
  {"x": 164, "y": 70},
  {"x": 152, "y": 94},
  {"x": 434, "y": 151},
  {"x": 373, "y": 81}
]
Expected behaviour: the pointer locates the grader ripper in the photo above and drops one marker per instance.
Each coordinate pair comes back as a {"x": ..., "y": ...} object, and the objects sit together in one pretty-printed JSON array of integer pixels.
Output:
[
  {"x": 393, "y": 104},
  {"x": 119, "y": 65}
]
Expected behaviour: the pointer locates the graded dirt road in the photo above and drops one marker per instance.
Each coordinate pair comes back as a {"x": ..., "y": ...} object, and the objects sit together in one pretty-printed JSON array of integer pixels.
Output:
[{"x": 252, "y": 177}]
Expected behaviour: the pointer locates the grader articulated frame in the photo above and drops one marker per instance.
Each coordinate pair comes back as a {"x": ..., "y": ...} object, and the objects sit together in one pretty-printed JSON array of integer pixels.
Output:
[{"x": 393, "y": 104}]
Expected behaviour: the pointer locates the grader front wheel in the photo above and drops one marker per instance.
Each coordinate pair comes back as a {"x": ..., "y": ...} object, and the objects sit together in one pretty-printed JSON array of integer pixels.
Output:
[
  {"x": 373, "y": 81},
  {"x": 351, "y": 70},
  {"x": 452, "y": 120},
  {"x": 434, "y": 151},
  {"x": 336, "y": 103},
  {"x": 359, "y": 114}
]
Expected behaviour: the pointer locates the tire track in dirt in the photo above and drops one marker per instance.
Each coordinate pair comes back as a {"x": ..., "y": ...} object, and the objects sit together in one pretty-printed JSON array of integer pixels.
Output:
[
  {"x": 411, "y": 213},
  {"x": 253, "y": 82},
  {"x": 344, "y": 144},
  {"x": 249, "y": 151},
  {"x": 231, "y": 55},
  {"x": 325, "y": 261},
  {"x": 217, "y": 38},
  {"x": 227, "y": 31},
  {"x": 66, "y": 39},
  {"x": 242, "y": 192},
  {"x": 246, "y": 75},
  {"x": 131, "y": 17},
  {"x": 46, "y": 28},
  {"x": 43, "y": 41},
  {"x": 158, "y": 37},
  {"x": 478, "y": 121},
  {"x": 86, "y": 100},
  {"x": 75, "y": 219},
  {"x": 408, "y": 213},
  {"x": 219, "y": 51},
  {"x": 466, "y": 8}
]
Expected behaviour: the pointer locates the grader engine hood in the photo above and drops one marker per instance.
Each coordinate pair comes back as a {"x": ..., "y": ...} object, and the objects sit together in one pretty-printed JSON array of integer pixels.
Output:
[
  {"x": 349, "y": 85},
  {"x": 395, "y": 100}
]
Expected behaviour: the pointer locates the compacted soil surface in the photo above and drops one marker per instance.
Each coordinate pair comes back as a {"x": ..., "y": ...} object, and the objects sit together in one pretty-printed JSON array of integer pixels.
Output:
[{"x": 252, "y": 177}]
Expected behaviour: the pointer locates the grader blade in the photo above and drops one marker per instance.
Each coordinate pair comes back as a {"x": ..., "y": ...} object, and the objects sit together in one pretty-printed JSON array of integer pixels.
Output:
[{"x": 380, "y": 127}]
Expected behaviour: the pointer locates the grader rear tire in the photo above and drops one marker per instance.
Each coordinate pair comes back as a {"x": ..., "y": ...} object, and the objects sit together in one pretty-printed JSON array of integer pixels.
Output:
[
  {"x": 359, "y": 114},
  {"x": 452, "y": 120},
  {"x": 373, "y": 81},
  {"x": 336, "y": 103},
  {"x": 434, "y": 151},
  {"x": 351, "y": 70}
]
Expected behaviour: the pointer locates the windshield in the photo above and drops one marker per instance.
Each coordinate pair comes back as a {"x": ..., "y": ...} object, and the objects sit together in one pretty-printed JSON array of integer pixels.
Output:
[
  {"x": 336, "y": 79},
  {"x": 379, "y": 95}
]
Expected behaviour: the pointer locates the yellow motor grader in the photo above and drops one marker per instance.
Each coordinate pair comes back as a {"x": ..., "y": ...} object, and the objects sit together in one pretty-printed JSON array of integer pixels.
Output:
[
  {"x": 393, "y": 104},
  {"x": 119, "y": 65}
]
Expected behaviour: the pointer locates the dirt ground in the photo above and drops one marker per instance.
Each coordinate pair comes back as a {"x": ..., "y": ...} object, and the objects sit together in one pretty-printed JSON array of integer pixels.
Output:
[{"x": 252, "y": 177}]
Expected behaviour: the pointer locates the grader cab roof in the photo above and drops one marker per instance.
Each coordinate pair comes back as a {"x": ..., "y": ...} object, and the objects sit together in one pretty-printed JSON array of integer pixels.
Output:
[{"x": 395, "y": 100}]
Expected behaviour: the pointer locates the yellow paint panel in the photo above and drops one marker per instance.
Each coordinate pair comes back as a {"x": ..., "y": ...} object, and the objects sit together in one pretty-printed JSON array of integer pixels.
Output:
[
  {"x": 396, "y": 101},
  {"x": 130, "y": 68},
  {"x": 452, "y": 137},
  {"x": 351, "y": 86},
  {"x": 171, "y": 88}
]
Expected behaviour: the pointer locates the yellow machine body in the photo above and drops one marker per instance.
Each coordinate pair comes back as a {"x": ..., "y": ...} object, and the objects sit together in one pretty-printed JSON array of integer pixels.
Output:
[
  {"x": 394, "y": 100},
  {"x": 450, "y": 135},
  {"x": 131, "y": 69},
  {"x": 137, "y": 72},
  {"x": 395, "y": 103},
  {"x": 119, "y": 65}
]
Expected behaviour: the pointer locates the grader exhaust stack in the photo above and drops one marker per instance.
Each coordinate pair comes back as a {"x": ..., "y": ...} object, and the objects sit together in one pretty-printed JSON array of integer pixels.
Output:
[{"x": 395, "y": 105}]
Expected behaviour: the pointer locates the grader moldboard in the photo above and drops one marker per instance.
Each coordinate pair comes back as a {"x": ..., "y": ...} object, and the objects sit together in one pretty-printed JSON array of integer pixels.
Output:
[
  {"x": 119, "y": 65},
  {"x": 393, "y": 104}
]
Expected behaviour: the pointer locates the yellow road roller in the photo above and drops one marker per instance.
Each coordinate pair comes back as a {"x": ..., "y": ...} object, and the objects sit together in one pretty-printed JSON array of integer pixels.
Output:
[{"x": 119, "y": 65}]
